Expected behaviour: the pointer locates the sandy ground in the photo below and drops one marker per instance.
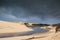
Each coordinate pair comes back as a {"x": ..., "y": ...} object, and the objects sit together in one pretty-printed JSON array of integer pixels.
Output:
[
  {"x": 9, "y": 27},
  {"x": 42, "y": 36}
]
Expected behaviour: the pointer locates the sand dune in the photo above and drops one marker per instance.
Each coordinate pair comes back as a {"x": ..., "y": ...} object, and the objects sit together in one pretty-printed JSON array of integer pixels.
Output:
[{"x": 11, "y": 27}]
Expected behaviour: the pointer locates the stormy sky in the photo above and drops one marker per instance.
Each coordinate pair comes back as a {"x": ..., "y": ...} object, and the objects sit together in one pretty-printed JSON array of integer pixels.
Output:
[{"x": 35, "y": 11}]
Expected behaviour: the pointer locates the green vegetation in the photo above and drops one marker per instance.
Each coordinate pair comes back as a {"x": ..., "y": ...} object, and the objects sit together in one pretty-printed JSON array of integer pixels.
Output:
[
  {"x": 56, "y": 24},
  {"x": 36, "y": 25}
]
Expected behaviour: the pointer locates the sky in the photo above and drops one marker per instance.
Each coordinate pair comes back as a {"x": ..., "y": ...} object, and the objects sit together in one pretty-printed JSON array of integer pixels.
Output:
[{"x": 35, "y": 11}]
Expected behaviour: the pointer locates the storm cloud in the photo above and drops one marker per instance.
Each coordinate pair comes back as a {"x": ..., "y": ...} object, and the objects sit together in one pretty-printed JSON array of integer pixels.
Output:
[{"x": 39, "y": 11}]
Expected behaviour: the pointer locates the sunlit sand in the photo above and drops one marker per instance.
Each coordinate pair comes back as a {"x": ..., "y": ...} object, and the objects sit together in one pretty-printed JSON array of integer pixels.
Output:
[{"x": 13, "y": 27}]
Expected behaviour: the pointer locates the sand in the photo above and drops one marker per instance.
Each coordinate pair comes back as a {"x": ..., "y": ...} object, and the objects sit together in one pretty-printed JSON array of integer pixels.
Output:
[
  {"x": 10, "y": 27},
  {"x": 43, "y": 36}
]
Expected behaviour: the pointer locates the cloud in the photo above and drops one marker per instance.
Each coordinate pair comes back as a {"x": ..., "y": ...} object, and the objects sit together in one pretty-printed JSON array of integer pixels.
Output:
[{"x": 40, "y": 11}]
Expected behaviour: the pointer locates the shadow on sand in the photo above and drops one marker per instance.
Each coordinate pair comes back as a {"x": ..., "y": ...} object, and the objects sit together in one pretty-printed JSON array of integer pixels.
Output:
[{"x": 35, "y": 30}]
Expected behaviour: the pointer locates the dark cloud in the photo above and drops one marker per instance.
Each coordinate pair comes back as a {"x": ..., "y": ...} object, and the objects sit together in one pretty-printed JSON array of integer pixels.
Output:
[{"x": 40, "y": 11}]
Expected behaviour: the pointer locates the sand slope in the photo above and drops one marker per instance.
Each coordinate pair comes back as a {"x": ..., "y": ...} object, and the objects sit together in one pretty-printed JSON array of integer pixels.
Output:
[{"x": 11, "y": 27}]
